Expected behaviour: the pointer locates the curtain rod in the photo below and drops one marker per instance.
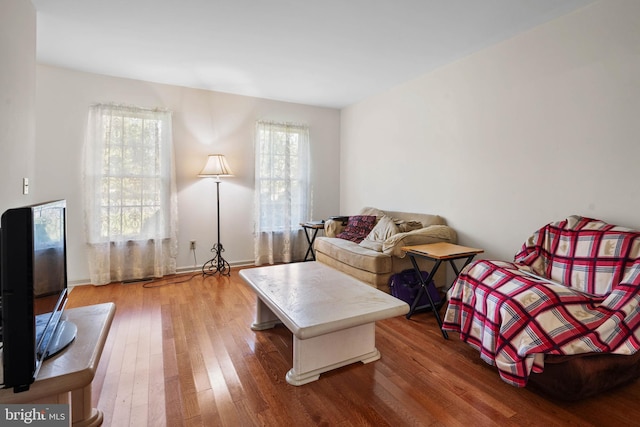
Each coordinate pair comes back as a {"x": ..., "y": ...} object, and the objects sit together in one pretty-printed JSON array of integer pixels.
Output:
[
  {"x": 283, "y": 124},
  {"x": 131, "y": 107}
]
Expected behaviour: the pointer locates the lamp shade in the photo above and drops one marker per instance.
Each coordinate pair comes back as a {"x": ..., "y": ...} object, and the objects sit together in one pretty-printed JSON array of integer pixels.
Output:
[{"x": 216, "y": 166}]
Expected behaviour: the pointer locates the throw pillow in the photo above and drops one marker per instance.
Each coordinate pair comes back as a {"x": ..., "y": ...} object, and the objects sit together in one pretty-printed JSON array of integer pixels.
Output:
[
  {"x": 358, "y": 227},
  {"x": 384, "y": 229}
]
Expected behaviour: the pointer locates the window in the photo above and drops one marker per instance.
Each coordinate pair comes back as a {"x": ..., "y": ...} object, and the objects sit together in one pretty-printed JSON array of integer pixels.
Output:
[
  {"x": 132, "y": 180},
  {"x": 282, "y": 175},
  {"x": 282, "y": 191},
  {"x": 130, "y": 190}
]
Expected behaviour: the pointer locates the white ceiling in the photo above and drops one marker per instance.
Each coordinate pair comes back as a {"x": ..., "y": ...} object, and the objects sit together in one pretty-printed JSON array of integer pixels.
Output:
[{"x": 329, "y": 53}]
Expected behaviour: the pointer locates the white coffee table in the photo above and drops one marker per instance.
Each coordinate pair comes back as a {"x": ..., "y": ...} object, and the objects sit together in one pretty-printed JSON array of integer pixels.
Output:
[{"x": 331, "y": 315}]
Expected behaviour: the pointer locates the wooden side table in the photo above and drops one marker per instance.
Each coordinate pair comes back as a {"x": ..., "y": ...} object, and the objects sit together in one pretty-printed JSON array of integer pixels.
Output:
[
  {"x": 437, "y": 252},
  {"x": 311, "y": 229},
  {"x": 66, "y": 377}
]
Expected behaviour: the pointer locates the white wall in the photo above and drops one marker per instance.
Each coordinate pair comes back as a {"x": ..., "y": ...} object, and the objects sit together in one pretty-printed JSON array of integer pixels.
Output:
[
  {"x": 539, "y": 127},
  {"x": 204, "y": 122},
  {"x": 17, "y": 99}
]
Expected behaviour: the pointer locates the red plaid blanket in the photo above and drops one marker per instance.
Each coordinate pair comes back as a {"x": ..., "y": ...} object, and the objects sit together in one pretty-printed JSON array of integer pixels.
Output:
[{"x": 514, "y": 319}]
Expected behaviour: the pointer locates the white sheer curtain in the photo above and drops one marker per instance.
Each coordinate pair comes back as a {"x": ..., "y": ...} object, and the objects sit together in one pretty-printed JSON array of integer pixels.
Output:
[
  {"x": 282, "y": 192},
  {"x": 130, "y": 196}
]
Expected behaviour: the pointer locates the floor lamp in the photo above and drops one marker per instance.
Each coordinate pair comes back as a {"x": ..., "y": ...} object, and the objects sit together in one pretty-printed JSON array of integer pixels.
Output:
[{"x": 216, "y": 167}]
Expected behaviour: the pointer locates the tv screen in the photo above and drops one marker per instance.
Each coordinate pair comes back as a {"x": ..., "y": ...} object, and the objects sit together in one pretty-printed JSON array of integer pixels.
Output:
[
  {"x": 33, "y": 275},
  {"x": 49, "y": 265}
]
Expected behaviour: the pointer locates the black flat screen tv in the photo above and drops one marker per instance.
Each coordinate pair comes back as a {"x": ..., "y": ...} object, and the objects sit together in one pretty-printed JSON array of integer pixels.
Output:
[{"x": 33, "y": 290}]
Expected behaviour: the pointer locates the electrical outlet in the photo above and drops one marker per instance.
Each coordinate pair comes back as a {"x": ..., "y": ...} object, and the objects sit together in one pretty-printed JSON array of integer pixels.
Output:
[{"x": 192, "y": 245}]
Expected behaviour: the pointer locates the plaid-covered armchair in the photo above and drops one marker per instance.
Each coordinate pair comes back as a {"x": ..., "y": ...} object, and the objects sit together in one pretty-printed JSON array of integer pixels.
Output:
[{"x": 571, "y": 292}]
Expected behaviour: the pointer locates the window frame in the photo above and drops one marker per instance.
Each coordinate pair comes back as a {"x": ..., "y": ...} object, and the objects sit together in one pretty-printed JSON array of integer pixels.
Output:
[{"x": 132, "y": 172}]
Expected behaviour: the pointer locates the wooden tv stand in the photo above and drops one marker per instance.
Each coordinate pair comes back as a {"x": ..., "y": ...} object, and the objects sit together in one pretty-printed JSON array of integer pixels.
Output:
[{"x": 66, "y": 377}]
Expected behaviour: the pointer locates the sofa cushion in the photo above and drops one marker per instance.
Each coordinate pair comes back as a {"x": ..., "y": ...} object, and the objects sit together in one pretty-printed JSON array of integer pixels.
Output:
[
  {"x": 384, "y": 229},
  {"x": 348, "y": 252},
  {"x": 358, "y": 227}
]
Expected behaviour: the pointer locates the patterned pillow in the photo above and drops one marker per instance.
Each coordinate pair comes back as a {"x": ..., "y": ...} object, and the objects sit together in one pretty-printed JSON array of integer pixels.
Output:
[{"x": 358, "y": 227}]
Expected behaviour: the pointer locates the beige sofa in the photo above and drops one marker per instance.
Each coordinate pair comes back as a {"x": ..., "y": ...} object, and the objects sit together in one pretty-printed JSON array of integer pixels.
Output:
[{"x": 374, "y": 261}]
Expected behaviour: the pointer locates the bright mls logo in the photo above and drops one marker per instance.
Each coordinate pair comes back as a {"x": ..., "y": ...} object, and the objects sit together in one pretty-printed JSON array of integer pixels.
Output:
[{"x": 34, "y": 415}]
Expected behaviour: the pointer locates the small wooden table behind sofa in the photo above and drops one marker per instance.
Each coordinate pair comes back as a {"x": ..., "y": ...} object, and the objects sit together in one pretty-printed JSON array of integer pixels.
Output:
[{"x": 331, "y": 315}]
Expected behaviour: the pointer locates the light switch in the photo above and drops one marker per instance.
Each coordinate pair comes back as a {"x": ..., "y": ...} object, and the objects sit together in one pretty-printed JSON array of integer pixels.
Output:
[{"x": 25, "y": 185}]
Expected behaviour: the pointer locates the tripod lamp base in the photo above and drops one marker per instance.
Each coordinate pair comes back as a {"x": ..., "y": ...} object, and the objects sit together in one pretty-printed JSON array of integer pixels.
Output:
[{"x": 217, "y": 264}]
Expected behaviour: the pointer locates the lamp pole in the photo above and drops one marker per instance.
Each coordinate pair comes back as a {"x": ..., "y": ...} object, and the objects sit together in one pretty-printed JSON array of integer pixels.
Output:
[
  {"x": 217, "y": 264},
  {"x": 216, "y": 166}
]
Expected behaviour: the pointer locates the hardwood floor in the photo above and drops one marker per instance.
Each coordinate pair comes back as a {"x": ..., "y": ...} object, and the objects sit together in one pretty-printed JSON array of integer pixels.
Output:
[{"x": 183, "y": 354}]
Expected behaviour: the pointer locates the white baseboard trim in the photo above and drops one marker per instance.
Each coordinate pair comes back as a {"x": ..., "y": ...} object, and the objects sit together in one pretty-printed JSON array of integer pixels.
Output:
[{"x": 179, "y": 270}]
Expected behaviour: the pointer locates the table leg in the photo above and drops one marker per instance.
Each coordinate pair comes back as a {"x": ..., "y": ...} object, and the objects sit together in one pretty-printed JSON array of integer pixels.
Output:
[
  {"x": 82, "y": 413},
  {"x": 323, "y": 353},
  {"x": 423, "y": 289},
  {"x": 310, "y": 241},
  {"x": 455, "y": 268},
  {"x": 265, "y": 318}
]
